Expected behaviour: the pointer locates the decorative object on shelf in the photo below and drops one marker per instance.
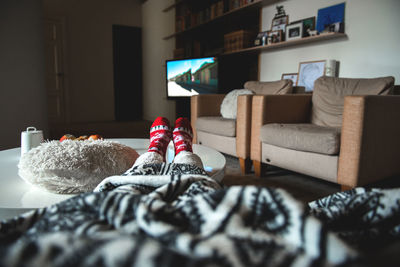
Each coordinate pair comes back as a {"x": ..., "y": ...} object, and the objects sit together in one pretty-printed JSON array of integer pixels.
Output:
[
  {"x": 309, "y": 71},
  {"x": 280, "y": 20},
  {"x": 275, "y": 37},
  {"x": 290, "y": 76},
  {"x": 261, "y": 38},
  {"x": 308, "y": 26},
  {"x": 331, "y": 15},
  {"x": 330, "y": 68},
  {"x": 312, "y": 32},
  {"x": 294, "y": 31}
]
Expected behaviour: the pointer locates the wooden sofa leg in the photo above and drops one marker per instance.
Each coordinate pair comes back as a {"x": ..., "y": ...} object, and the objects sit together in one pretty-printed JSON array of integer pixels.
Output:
[
  {"x": 245, "y": 165},
  {"x": 345, "y": 187},
  {"x": 258, "y": 168}
]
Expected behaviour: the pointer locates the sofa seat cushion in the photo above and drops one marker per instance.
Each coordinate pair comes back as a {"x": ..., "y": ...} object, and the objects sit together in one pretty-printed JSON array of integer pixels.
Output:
[
  {"x": 216, "y": 125},
  {"x": 329, "y": 93},
  {"x": 302, "y": 137}
]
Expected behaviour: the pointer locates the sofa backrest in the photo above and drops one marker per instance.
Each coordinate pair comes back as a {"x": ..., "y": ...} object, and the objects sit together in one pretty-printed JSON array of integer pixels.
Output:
[
  {"x": 329, "y": 93},
  {"x": 280, "y": 87}
]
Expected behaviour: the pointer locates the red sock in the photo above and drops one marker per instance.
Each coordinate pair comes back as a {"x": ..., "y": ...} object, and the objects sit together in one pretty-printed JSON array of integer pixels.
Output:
[
  {"x": 160, "y": 135},
  {"x": 183, "y": 135}
]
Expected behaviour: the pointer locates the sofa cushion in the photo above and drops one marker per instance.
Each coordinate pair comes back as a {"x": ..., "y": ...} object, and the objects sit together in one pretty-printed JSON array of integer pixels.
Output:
[
  {"x": 302, "y": 137},
  {"x": 329, "y": 93},
  {"x": 280, "y": 87},
  {"x": 228, "y": 107},
  {"x": 216, "y": 125}
]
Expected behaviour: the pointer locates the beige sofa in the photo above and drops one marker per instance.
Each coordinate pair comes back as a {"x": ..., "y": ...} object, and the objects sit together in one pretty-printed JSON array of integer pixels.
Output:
[
  {"x": 346, "y": 132},
  {"x": 230, "y": 136}
]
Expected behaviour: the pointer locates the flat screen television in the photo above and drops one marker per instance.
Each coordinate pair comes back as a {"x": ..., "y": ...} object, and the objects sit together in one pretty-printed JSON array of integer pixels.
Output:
[{"x": 187, "y": 77}]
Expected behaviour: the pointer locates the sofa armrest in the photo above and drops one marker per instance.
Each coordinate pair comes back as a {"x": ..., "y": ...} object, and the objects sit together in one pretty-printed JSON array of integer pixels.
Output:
[
  {"x": 243, "y": 126},
  {"x": 204, "y": 105},
  {"x": 276, "y": 109},
  {"x": 370, "y": 141}
]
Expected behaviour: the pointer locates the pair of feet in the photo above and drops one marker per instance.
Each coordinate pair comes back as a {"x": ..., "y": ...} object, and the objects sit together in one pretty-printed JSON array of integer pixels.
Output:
[{"x": 161, "y": 135}]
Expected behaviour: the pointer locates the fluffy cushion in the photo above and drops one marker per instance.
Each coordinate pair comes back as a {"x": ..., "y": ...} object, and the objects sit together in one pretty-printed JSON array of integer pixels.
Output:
[
  {"x": 71, "y": 167},
  {"x": 229, "y": 104}
]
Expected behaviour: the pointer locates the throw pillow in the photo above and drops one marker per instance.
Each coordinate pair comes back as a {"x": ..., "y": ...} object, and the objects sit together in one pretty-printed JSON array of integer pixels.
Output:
[
  {"x": 229, "y": 104},
  {"x": 72, "y": 167}
]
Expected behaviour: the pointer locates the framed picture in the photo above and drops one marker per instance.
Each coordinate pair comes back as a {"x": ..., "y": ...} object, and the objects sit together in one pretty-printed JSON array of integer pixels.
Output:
[
  {"x": 330, "y": 15},
  {"x": 279, "y": 23},
  {"x": 309, "y": 71},
  {"x": 290, "y": 76},
  {"x": 275, "y": 36},
  {"x": 294, "y": 31},
  {"x": 308, "y": 25}
]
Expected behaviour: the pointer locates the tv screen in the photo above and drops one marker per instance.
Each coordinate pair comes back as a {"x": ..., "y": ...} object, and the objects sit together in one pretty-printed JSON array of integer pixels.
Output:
[{"x": 187, "y": 77}]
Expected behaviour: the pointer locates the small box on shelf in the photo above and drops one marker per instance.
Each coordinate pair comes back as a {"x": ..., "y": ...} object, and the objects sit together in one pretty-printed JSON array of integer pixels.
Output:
[{"x": 238, "y": 40}]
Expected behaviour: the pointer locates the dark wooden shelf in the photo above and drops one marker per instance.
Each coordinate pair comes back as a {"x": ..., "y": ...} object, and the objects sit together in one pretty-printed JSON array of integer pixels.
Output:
[
  {"x": 237, "y": 11},
  {"x": 305, "y": 40}
]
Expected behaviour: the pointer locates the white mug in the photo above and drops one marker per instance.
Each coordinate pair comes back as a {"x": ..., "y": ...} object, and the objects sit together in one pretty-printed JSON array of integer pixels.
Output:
[{"x": 30, "y": 138}]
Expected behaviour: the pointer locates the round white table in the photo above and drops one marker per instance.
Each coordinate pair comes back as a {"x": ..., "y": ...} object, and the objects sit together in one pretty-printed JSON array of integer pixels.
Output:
[{"x": 17, "y": 196}]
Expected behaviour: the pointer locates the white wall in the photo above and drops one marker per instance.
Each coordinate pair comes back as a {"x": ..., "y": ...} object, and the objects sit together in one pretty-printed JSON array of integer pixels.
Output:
[
  {"x": 156, "y": 25},
  {"x": 22, "y": 84},
  {"x": 371, "y": 50}
]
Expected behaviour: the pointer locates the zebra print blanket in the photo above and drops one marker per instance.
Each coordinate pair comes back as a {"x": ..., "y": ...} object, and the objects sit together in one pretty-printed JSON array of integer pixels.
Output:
[{"x": 175, "y": 215}]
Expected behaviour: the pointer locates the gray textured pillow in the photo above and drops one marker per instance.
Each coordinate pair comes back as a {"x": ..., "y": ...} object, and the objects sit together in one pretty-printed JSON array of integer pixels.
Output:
[
  {"x": 329, "y": 93},
  {"x": 229, "y": 104},
  {"x": 71, "y": 167}
]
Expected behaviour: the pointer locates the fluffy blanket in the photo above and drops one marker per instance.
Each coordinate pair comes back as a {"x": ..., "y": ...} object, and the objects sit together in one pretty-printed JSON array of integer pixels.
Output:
[{"x": 174, "y": 215}]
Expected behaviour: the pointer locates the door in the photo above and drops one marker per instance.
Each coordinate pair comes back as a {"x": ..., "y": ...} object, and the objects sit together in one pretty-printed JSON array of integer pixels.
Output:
[
  {"x": 127, "y": 59},
  {"x": 55, "y": 75}
]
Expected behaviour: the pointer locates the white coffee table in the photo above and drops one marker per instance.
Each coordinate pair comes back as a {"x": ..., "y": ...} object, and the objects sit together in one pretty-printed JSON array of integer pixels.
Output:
[{"x": 17, "y": 196}]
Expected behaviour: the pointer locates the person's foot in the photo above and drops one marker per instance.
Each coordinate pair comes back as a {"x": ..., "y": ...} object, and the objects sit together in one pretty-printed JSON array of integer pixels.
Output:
[
  {"x": 160, "y": 136},
  {"x": 183, "y": 135}
]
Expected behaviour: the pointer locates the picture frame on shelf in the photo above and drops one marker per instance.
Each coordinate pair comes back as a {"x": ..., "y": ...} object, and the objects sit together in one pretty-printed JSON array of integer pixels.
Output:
[
  {"x": 330, "y": 15},
  {"x": 294, "y": 31},
  {"x": 309, "y": 71},
  {"x": 290, "y": 76},
  {"x": 308, "y": 26},
  {"x": 274, "y": 37},
  {"x": 279, "y": 23},
  {"x": 335, "y": 27}
]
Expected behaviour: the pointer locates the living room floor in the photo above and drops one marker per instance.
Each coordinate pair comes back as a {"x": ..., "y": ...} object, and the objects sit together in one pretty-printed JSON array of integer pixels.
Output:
[{"x": 301, "y": 187}]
